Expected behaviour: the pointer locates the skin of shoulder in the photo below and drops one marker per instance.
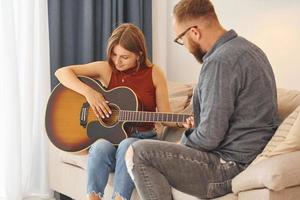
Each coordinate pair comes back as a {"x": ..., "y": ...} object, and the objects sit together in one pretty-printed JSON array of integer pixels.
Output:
[{"x": 99, "y": 70}]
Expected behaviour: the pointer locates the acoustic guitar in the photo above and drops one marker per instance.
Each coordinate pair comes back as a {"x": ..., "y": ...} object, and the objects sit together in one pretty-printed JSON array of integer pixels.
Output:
[{"x": 72, "y": 126}]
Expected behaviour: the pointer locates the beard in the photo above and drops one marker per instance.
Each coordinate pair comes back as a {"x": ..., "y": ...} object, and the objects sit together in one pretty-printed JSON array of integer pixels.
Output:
[{"x": 196, "y": 50}]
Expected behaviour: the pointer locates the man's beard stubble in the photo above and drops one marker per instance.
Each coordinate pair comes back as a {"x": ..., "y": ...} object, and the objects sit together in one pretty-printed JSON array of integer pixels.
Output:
[{"x": 196, "y": 50}]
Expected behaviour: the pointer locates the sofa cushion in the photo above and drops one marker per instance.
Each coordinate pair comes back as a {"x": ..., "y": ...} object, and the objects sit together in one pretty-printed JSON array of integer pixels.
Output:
[
  {"x": 178, "y": 195},
  {"x": 180, "y": 89},
  {"x": 74, "y": 159},
  {"x": 286, "y": 139},
  {"x": 288, "y": 100},
  {"x": 178, "y": 104},
  {"x": 180, "y": 96},
  {"x": 291, "y": 193},
  {"x": 275, "y": 173}
]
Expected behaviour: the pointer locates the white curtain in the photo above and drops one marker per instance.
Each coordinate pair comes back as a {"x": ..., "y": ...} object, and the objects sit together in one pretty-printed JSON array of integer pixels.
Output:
[{"x": 24, "y": 89}]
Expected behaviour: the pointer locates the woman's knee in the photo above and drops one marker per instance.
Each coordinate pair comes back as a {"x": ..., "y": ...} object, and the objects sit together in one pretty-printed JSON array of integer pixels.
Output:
[
  {"x": 124, "y": 144},
  {"x": 103, "y": 147}
]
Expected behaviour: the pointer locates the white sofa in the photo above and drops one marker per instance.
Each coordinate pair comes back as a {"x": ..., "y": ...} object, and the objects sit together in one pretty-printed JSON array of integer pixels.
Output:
[{"x": 276, "y": 178}]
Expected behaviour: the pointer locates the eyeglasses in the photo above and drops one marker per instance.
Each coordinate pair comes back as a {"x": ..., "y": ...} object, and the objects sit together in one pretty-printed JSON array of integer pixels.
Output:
[{"x": 178, "y": 39}]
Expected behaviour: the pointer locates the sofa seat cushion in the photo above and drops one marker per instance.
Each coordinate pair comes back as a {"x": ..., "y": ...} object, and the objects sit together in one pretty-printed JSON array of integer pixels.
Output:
[
  {"x": 74, "y": 159},
  {"x": 230, "y": 196},
  {"x": 291, "y": 193},
  {"x": 276, "y": 173}
]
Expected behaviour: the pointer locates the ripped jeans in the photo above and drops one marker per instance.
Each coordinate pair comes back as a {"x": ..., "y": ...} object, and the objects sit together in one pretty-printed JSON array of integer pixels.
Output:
[
  {"x": 156, "y": 166},
  {"x": 104, "y": 158}
]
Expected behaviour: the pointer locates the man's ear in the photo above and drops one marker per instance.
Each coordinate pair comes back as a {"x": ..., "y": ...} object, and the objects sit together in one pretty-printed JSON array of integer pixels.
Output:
[{"x": 195, "y": 32}]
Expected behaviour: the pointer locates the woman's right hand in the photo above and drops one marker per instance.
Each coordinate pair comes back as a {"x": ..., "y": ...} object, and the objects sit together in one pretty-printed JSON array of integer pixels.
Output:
[{"x": 98, "y": 103}]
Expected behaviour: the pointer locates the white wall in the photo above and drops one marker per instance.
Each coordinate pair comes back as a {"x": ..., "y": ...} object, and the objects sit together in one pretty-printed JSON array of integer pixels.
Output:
[{"x": 274, "y": 25}]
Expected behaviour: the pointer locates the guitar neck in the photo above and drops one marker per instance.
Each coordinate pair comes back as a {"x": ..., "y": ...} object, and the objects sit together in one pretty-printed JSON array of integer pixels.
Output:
[{"x": 141, "y": 116}]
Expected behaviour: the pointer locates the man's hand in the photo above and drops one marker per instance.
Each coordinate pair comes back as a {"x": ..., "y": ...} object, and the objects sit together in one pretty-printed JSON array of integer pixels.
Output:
[{"x": 189, "y": 122}]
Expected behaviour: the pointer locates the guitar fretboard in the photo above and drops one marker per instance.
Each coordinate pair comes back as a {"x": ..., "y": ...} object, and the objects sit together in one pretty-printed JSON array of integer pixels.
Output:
[{"x": 141, "y": 116}]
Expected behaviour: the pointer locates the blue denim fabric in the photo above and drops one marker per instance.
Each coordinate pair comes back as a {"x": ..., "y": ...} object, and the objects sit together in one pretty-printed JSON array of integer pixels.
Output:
[{"x": 104, "y": 158}]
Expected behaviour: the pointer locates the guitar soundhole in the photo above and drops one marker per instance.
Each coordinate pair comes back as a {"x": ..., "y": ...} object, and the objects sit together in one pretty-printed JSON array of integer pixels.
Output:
[{"x": 113, "y": 118}]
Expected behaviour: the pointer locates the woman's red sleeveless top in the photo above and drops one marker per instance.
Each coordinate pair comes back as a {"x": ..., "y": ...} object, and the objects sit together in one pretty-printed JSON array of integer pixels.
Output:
[{"x": 141, "y": 83}]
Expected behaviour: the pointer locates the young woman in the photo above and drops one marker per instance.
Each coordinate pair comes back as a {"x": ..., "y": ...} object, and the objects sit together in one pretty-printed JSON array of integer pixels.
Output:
[{"x": 126, "y": 65}]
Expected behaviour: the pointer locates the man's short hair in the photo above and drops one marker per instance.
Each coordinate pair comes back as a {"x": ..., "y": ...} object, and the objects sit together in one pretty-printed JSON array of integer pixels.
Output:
[{"x": 186, "y": 10}]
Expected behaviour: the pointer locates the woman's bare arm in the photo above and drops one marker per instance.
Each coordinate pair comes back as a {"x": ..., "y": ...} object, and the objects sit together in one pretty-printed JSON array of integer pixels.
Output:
[
  {"x": 68, "y": 76},
  {"x": 162, "y": 95}
]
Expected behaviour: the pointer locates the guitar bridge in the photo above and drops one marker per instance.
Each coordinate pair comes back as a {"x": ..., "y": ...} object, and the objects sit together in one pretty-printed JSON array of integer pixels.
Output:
[{"x": 83, "y": 114}]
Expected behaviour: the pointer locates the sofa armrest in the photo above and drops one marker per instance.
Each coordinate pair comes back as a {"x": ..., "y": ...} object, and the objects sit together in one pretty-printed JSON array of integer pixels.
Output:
[{"x": 275, "y": 173}]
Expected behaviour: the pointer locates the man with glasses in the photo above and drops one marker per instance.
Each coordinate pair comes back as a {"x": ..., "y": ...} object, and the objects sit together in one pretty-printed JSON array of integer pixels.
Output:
[{"x": 235, "y": 113}]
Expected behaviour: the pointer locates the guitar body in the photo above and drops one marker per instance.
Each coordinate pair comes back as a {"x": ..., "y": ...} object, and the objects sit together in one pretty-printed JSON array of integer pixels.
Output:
[{"x": 72, "y": 126}]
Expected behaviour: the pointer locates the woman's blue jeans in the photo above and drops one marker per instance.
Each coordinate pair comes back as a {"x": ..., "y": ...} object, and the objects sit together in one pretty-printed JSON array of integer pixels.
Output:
[{"x": 104, "y": 158}]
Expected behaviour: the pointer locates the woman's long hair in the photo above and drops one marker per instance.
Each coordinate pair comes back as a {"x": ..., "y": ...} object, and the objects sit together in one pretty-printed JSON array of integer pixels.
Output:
[{"x": 131, "y": 38}]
